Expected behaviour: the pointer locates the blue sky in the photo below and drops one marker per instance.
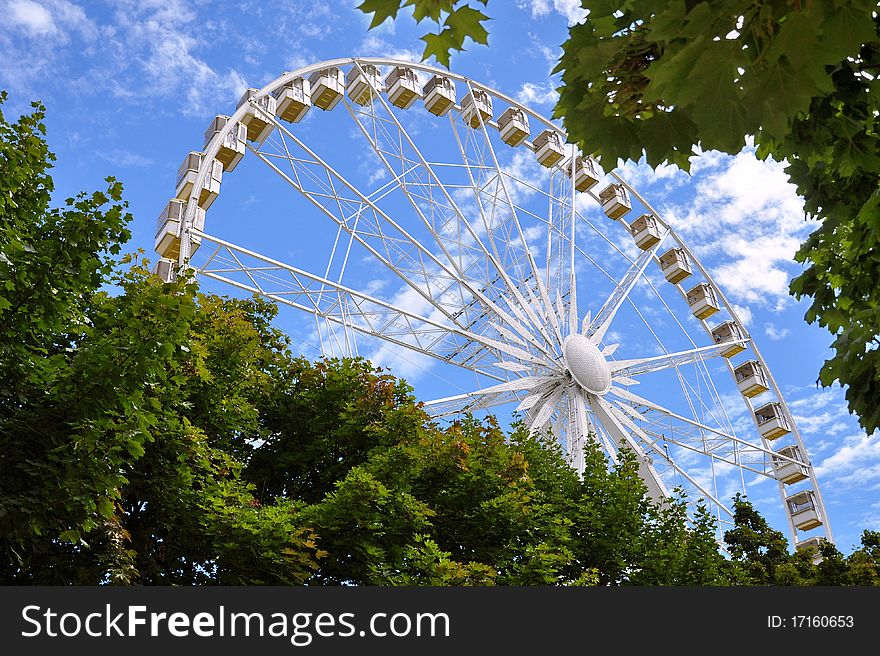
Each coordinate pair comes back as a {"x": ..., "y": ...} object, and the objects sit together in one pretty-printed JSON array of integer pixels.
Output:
[{"x": 130, "y": 87}]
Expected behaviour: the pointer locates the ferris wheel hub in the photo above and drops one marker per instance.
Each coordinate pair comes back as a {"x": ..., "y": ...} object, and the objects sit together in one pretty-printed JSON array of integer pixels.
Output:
[{"x": 586, "y": 364}]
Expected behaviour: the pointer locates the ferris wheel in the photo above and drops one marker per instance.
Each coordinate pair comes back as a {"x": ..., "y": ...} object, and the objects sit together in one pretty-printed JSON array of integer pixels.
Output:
[{"x": 410, "y": 214}]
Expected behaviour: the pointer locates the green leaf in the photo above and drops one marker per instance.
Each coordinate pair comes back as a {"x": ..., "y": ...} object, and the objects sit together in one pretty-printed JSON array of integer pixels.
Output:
[
  {"x": 71, "y": 536},
  {"x": 439, "y": 45},
  {"x": 106, "y": 508},
  {"x": 381, "y": 10},
  {"x": 466, "y": 22},
  {"x": 431, "y": 9}
]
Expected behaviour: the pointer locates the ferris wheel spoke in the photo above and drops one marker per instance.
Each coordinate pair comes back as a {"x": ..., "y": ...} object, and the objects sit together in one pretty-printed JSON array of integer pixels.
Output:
[
  {"x": 463, "y": 403},
  {"x": 421, "y": 186},
  {"x": 560, "y": 231},
  {"x": 626, "y": 422},
  {"x": 384, "y": 238},
  {"x": 639, "y": 366},
  {"x": 381, "y": 318},
  {"x": 619, "y": 434},
  {"x": 578, "y": 429},
  {"x": 503, "y": 230},
  {"x": 605, "y": 315},
  {"x": 539, "y": 415},
  {"x": 698, "y": 430},
  {"x": 755, "y": 466}
]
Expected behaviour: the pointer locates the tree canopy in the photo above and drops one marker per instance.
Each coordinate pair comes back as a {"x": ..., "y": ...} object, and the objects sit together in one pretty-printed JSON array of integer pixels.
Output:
[{"x": 655, "y": 78}]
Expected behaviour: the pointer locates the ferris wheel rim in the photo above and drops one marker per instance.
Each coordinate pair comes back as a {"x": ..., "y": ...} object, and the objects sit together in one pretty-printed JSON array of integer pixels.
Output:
[{"x": 211, "y": 151}]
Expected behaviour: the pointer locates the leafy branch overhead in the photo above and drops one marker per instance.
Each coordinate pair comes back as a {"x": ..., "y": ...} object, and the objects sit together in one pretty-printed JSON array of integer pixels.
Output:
[
  {"x": 657, "y": 78},
  {"x": 456, "y": 23}
]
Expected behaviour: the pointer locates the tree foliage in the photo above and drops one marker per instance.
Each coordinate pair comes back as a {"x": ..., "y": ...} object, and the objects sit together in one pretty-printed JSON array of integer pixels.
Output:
[{"x": 658, "y": 77}]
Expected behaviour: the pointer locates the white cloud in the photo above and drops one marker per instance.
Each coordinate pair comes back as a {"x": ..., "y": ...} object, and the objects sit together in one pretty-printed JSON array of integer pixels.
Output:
[
  {"x": 537, "y": 94},
  {"x": 143, "y": 51},
  {"x": 163, "y": 37},
  {"x": 31, "y": 16},
  {"x": 744, "y": 312},
  {"x": 34, "y": 36},
  {"x": 640, "y": 175},
  {"x": 570, "y": 9},
  {"x": 775, "y": 333},
  {"x": 375, "y": 46},
  {"x": 856, "y": 463},
  {"x": 125, "y": 158},
  {"x": 742, "y": 218}
]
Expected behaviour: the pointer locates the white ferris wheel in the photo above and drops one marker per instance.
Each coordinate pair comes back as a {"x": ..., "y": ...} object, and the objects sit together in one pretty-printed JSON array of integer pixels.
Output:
[{"x": 421, "y": 215}]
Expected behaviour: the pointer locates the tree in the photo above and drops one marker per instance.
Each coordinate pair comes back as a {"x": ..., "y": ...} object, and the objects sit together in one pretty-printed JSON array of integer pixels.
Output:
[
  {"x": 658, "y": 77},
  {"x": 117, "y": 464}
]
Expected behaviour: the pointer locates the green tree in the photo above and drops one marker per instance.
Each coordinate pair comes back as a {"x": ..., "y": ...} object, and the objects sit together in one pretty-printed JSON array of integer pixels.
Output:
[
  {"x": 658, "y": 77},
  {"x": 117, "y": 465}
]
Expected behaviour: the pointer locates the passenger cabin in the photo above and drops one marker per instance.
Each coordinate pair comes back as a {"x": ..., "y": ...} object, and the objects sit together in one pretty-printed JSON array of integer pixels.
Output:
[
  {"x": 260, "y": 112},
  {"x": 439, "y": 95},
  {"x": 812, "y": 545},
  {"x": 729, "y": 331},
  {"x": 186, "y": 178},
  {"x": 402, "y": 87},
  {"x": 675, "y": 265},
  {"x": 803, "y": 510},
  {"x": 164, "y": 269},
  {"x": 513, "y": 126},
  {"x": 233, "y": 147},
  {"x": 364, "y": 83},
  {"x": 772, "y": 422},
  {"x": 548, "y": 148},
  {"x": 645, "y": 231},
  {"x": 294, "y": 100},
  {"x": 703, "y": 300},
  {"x": 786, "y": 471},
  {"x": 476, "y": 108},
  {"x": 327, "y": 86},
  {"x": 585, "y": 173},
  {"x": 615, "y": 201},
  {"x": 750, "y": 378},
  {"x": 168, "y": 229}
]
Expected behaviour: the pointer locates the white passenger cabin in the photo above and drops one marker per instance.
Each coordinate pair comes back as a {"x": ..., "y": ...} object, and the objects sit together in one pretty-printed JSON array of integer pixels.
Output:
[
  {"x": 294, "y": 100},
  {"x": 233, "y": 147},
  {"x": 703, "y": 301},
  {"x": 164, "y": 269},
  {"x": 803, "y": 510},
  {"x": 439, "y": 95},
  {"x": 186, "y": 179},
  {"x": 327, "y": 86},
  {"x": 615, "y": 201},
  {"x": 786, "y": 471},
  {"x": 548, "y": 148},
  {"x": 585, "y": 174},
  {"x": 260, "y": 112},
  {"x": 645, "y": 231},
  {"x": 513, "y": 126},
  {"x": 402, "y": 87},
  {"x": 675, "y": 265},
  {"x": 772, "y": 422},
  {"x": 168, "y": 227},
  {"x": 364, "y": 83},
  {"x": 476, "y": 108},
  {"x": 729, "y": 331},
  {"x": 750, "y": 378},
  {"x": 812, "y": 545}
]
